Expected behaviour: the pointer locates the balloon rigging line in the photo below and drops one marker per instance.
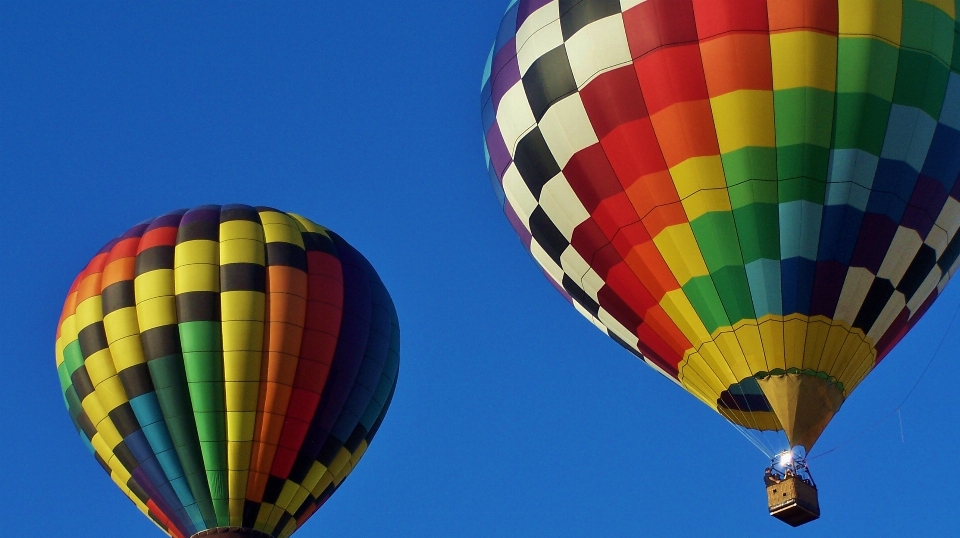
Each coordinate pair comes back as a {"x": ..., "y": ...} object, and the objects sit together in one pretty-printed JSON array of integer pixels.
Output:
[{"x": 936, "y": 352}]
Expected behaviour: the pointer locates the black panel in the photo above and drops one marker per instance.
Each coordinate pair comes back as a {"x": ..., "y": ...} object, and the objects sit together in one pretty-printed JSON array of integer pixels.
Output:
[
  {"x": 243, "y": 277},
  {"x": 290, "y": 255},
  {"x": 329, "y": 451},
  {"x": 575, "y": 14},
  {"x": 924, "y": 261},
  {"x": 161, "y": 342},
  {"x": 284, "y": 519},
  {"x": 136, "y": 380},
  {"x": 250, "y": 511},
  {"x": 239, "y": 213},
  {"x": 102, "y": 463},
  {"x": 92, "y": 339},
  {"x": 154, "y": 258},
  {"x": 124, "y": 419},
  {"x": 198, "y": 306},
  {"x": 316, "y": 242},
  {"x": 358, "y": 435},
  {"x": 548, "y": 80},
  {"x": 580, "y": 296},
  {"x": 81, "y": 382},
  {"x": 138, "y": 491},
  {"x": 547, "y": 235},
  {"x": 118, "y": 295},
  {"x": 86, "y": 425},
  {"x": 200, "y": 229},
  {"x": 880, "y": 292},
  {"x": 743, "y": 402},
  {"x": 126, "y": 457},
  {"x": 950, "y": 254},
  {"x": 535, "y": 161},
  {"x": 274, "y": 487}
]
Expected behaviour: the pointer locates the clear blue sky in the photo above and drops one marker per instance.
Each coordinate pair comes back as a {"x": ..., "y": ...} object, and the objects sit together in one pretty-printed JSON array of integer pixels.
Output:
[{"x": 513, "y": 415}]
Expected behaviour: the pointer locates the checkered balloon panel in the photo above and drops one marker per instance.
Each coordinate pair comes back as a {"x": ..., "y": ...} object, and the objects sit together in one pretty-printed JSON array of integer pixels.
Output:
[{"x": 733, "y": 189}]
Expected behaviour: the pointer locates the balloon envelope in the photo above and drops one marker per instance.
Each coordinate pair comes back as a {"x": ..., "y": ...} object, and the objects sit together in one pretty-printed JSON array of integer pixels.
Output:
[
  {"x": 758, "y": 197},
  {"x": 228, "y": 366}
]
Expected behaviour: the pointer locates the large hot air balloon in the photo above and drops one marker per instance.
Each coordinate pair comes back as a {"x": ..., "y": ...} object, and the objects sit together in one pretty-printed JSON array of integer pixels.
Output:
[
  {"x": 228, "y": 367},
  {"x": 758, "y": 198}
]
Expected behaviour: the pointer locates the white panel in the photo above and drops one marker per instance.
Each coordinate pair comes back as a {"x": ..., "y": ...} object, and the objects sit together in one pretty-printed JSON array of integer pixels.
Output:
[
  {"x": 546, "y": 262},
  {"x": 889, "y": 313},
  {"x": 597, "y": 47},
  {"x": 562, "y": 205},
  {"x": 617, "y": 328},
  {"x": 566, "y": 128},
  {"x": 539, "y": 44},
  {"x": 900, "y": 255},
  {"x": 855, "y": 288},
  {"x": 596, "y": 322},
  {"x": 948, "y": 221},
  {"x": 627, "y": 4},
  {"x": 573, "y": 264},
  {"x": 515, "y": 117},
  {"x": 518, "y": 194},
  {"x": 592, "y": 283}
]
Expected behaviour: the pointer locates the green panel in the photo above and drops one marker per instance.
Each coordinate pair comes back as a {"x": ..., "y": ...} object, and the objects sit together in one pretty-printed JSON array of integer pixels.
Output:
[
  {"x": 731, "y": 283},
  {"x": 955, "y": 62},
  {"x": 716, "y": 236},
  {"x": 927, "y": 28},
  {"x": 749, "y": 163},
  {"x": 861, "y": 122},
  {"x": 801, "y": 188},
  {"x": 758, "y": 227},
  {"x": 65, "y": 380},
  {"x": 204, "y": 366},
  {"x": 866, "y": 65},
  {"x": 703, "y": 296},
  {"x": 200, "y": 336},
  {"x": 802, "y": 116},
  {"x": 753, "y": 192},
  {"x": 72, "y": 357},
  {"x": 921, "y": 82}
]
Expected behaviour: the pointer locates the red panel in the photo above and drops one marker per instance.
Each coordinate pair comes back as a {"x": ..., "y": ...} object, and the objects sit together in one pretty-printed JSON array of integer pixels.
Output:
[
  {"x": 660, "y": 322},
  {"x": 605, "y": 259},
  {"x": 737, "y": 62},
  {"x": 587, "y": 238},
  {"x": 793, "y": 14},
  {"x": 664, "y": 216},
  {"x": 652, "y": 191},
  {"x": 656, "y": 23},
  {"x": 613, "y": 303},
  {"x": 614, "y": 213},
  {"x": 591, "y": 177},
  {"x": 124, "y": 249},
  {"x": 662, "y": 354},
  {"x": 643, "y": 258},
  {"x": 672, "y": 75},
  {"x": 633, "y": 151},
  {"x": 716, "y": 17},
  {"x": 622, "y": 281},
  {"x": 165, "y": 236},
  {"x": 613, "y": 99}
]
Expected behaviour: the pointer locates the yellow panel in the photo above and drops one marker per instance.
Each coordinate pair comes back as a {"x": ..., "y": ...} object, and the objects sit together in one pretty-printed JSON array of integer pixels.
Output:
[
  {"x": 61, "y": 343},
  {"x": 156, "y": 283},
  {"x": 946, "y": 6},
  {"x": 241, "y": 396},
  {"x": 744, "y": 118},
  {"x": 242, "y": 251},
  {"x": 771, "y": 337},
  {"x": 313, "y": 475},
  {"x": 242, "y": 306},
  {"x": 703, "y": 202},
  {"x": 359, "y": 452},
  {"x": 322, "y": 484},
  {"x": 817, "y": 331},
  {"x": 196, "y": 251},
  {"x": 344, "y": 472},
  {"x": 157, "y": 312},
  {"x": 852, "y": 345},
  {"x": 121, "y": 324},
  {"x": 694, "y": 385},
  {"x": 236, "y": 505},
  {"x": 280, "y": 227},
  {"x": 127, "y": 352},
  {"x": 748, "y": 334},
  {"x": 803, "y": 59},
  {"x": 99, "y": 366},
  {"x": 240, "y": 229},
  {"x": 309, "y": 225},
  {"x": 735, "y": 353},
  {"x": 197, "y": 277},
  {"x": 288, "y": 529},
  {"x": 716, "y": 355},
  {"x": 262, "y": 515},
  {"x": 697, "y": 173},
  {"x": 90, "y": 311},
  {"x": 286, "y": 494},
  {"x": 111, "y": 393},
  {"x": 794, "y": 339},
  {"x": 68, "y": 329},
  {"x": 274, "y": 517},
  {"x": 677, "y": 306},
  {"x": 298, "y": 499},
  {"x": 679, "y": 249},
  {"x": 95, "y": 411},
  {"x": 697, "y": 372},
  {"x": 111, "y": 437},
  {"x": 242, "y": 335},
  {"x": 880, "y": 18},
  {"x": 836, "y": 340}
]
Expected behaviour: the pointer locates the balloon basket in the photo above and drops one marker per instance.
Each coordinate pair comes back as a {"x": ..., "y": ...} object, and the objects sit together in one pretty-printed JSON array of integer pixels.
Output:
[
  {"x": 793, "y": 501},
  {"x": 232, "y": 532}
]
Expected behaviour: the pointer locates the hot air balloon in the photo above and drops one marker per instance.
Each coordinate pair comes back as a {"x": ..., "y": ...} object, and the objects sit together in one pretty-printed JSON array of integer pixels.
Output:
[
  {"x": 758, "y": 198},
  {"x": 228, "y": 366}
]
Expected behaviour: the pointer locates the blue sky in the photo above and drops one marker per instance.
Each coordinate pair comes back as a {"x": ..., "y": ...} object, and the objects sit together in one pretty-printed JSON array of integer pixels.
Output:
[{"x": 513, "y": 415}]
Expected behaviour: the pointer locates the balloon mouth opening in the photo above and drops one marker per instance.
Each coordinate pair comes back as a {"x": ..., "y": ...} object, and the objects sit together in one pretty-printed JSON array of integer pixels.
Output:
[{"x": 232, "y": 532}]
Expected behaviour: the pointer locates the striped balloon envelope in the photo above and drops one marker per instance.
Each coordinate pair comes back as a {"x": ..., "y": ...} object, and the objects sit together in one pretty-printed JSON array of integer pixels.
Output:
[
  {"x": 757, "y": 197},
  {"x": 228, "y": 366}
]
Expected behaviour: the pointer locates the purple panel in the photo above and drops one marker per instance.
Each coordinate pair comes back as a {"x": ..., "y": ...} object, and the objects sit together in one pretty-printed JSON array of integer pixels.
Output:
[
  {"x": 106, "y": 248},
  {"x": 170, "y": 219},
  {"x": 827, "y": 285},
  {"x": 875, "y": 237},
  {"x": 925, "y": 205},
  {"x": 527, "y": 7},
  {"x": 497, "y": 148},
  {"x": 506, "y": 77},
  {"x": 518, "y": 226},
  {"x": 136, "y": 231},
  {"x": 207, "y": 213}
]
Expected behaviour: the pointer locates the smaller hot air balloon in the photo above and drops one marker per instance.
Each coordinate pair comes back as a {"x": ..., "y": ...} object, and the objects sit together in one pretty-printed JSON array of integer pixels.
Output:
[{"x": 228, "y": 366}]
